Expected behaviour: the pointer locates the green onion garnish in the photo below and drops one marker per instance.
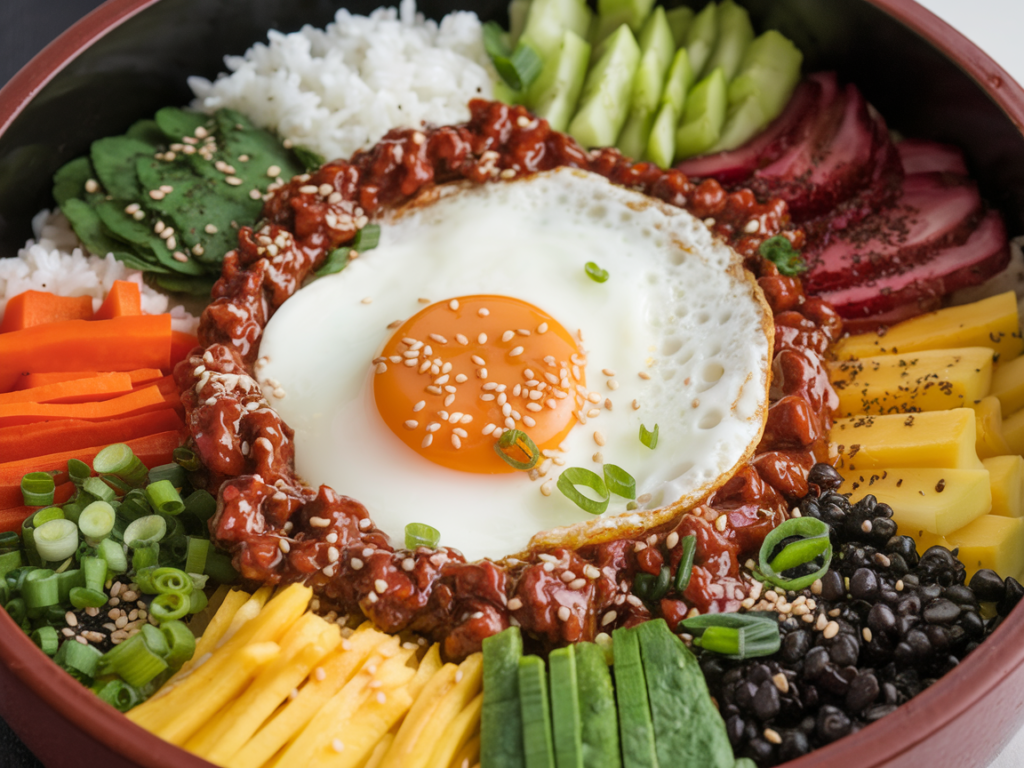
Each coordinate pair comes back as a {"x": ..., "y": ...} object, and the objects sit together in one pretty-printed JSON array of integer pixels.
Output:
[
  {"x": 78, "y": 471},
  {"x": 117, "y": 693},
  {"x": 814, "y": 542},
  {"x": 336, "y": 261},
  {"x": 113, "y": 555},
  {"x": 518, "y": 68},
  {"x": 619, "y": 481},
  {"x": 37, "y": 489},
  {"x": 685, "y": 570},
  {"x": 46, "y": 515},
  {"x": 169, "y": 606},
  {"x": 41, "y": 589},
  {"x": 164, "y": 497},
  {"x": 651, "y": 588},
  {"x": 119, "y": 459},
  {"x": 78, "y": 660},
  {"x": 88, "y": 598},
  {"x": 9, "y": 540},
  {"x": 367, "y": 238},
  {"x": 197, "y": 601},
  {"x": 578, "y": 476},
  {"x": 649, "y": 437},
  {"x": 94, "y": 569},
  {"x": 219, "y": 568},
  {"x": 735, "y": 635},
  {"x": 186, "y": 458},
  {"x": 132, "y": 661},
  {"x": 595, "y": 273},
  {"x": 513, "y": 439},
  {"x": 181, "y": 643},
  {"x": 172, "y": 473},
  {"x": 421, "y": 535},
  {"x": 196, "y": 554},
  {"x": 172, "y": 581},
  {"x": 310, "y": 160},
  {"x": 96, "y": 521},
  {"x": 56, "y": 539},
  {"x": 783, "y": 255},
  {"x": 146, "y": 530},
  {"x": 202, "y": 504},
  {"x": 94, "y": 486},
  {"x": 46, "y": 639}
]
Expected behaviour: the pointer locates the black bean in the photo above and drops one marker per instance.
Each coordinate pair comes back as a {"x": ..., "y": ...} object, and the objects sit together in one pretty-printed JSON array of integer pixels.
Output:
[
  {"x": 919, "y": 642},
  {"x": 815, "y": 663},
  {"x": 731, "y": 677},
  {"x": 844, "y": 650},
  {"x": 759, "y": 749},
  {"x": 832, "y": 587},
  {"x": 881, "y": 618},
  {"x": 987, "y": 585},
  {"x": 882, "y": 528},
  {"x": 833, "y": 515},
  {"x": 904, "y": 654},
  {"x": 938, "y": 637},
  {"x": 972, "y": 624},
  {"x": 864, "y": 584},
  {"x": 832, "y": 723},
  {"x": 878, "y": 712},
  {"x": 960, "y": 595},
  {"x": 863, "y": 691},
  {"x": 759, "y": 673},
  {"x": 889, "y": 693},
  {"x": 825, "y": 477},
  {"x": 909, "y": 606},
  {"x": 734, "y": 726},
  {"x": 835, "y": 681},
  {"x": 766, "y": 701},
  {"x": 795, "y": 645},
  {"x": 794, "y": 745},
  {"x": 744, "y": 695},
  {"x": 906, "y": 623},
  {"x": 941, "y": 611},
  {"x": 929, "y": 592},
  {"x": 1012, "y": 594}
]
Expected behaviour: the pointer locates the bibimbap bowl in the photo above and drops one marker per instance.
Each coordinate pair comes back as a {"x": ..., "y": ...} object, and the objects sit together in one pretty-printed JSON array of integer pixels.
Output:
[{"x": 130, "y": 58}]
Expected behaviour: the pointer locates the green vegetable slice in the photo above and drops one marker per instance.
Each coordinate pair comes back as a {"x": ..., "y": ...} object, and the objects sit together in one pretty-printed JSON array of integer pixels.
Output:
[
  {"x": 515, "y": 440},
  {"x": 576, "y": 476},
  {"x": 649, "y": 437},
  {"x": 56, "y": 540},
  {"x": 783, "y": 255},
  {"x": 685, "y": 570},
  {"x": 814, "y": 542},
  {"x": 595, "y": 272},
  {"x": 619, "y": 481},
  {"x": 421, "y": 535},
  {"x": 37, "y": 489}
]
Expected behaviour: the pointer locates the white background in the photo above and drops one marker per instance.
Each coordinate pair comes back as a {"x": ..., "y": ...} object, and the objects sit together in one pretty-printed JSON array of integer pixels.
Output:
[{"x": 997, "y": 27}]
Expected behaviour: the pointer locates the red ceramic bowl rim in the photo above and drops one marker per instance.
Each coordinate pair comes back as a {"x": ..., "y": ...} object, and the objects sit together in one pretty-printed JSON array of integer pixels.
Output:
[{"x": 895, "y": 734}]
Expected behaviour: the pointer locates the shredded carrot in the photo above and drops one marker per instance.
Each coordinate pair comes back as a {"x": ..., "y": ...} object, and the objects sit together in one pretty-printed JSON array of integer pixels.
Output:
[
  {"x": 118, "y": 344},
  {"x": 181, "y": 344},
  {"x": 33, "y": 308},
  {"x": 12, "y": 518},
  {"x": 152, "y": 450},
  {"x": 139, "y": 377},
  {"x": 123, "y": 300},
  {"x": 139, "y": 401},
  {"x": 27, "y": 440},
  {"x": 92, "y": 389}
]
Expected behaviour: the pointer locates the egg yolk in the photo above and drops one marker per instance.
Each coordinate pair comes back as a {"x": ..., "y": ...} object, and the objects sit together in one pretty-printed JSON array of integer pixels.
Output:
[{"x": 458, "y": 374}]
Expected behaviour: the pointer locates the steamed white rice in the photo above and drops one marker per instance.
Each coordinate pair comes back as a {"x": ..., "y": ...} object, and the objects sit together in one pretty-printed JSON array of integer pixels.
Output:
[
  {"x": 56, "y": 262},
  {"x": 340, "y": 89}
]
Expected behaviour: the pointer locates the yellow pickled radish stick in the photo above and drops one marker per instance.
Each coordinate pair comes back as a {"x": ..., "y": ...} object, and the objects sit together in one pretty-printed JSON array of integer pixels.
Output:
[
  {"x": 330, "y": 723},
  {"x": 469, "y": 755},
  {"x": 187, "y": 702},
  {"x": 468, "y": 680},
  {"x": 305, "y": 645},
  {"x": 379, "y": 751},
  {"x": 333, "y": 674},
  {"x": 430, "y": 664},
  {"x": 458, "y": 734},
  {"x": 249, "y": 611}
]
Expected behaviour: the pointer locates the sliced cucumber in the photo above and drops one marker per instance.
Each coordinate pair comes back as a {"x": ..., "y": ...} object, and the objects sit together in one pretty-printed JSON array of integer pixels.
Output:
[
  {"x": 635, "y": 724},
  {"x": 701, "y": 37},
  {"x": 501, "y": 723},
  {"x": 536, "y": 713},
  {"x": 548, "y": 20},
  {"x": 556, "y": 92},
  {"x": 661, "y": 146},
  {"x": 770, "y": 71},
  {"x": 678, "y": 82},
  {"x": 647, "y": 89},
  {"x": 679, "y": 22},
  {"x": 565, "y": 709},
  {"x": 744, "y": 121},
  {"x": 517, "y": 13},
  {"x": 611, "y": 14},
  {"x": 599, "y": 720},
  {"x": 735, "y": 33},
  {"x": 656, "y": 37},
  {"x": 687, "y": 727},
  {"x": 704, "y": 118},
  {"x": 505, "y": 93},
  {"x": 604, "y": 105}
]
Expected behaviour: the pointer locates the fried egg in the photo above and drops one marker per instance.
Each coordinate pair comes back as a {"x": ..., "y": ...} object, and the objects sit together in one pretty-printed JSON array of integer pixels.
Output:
[{"x": 477, "y": 314}]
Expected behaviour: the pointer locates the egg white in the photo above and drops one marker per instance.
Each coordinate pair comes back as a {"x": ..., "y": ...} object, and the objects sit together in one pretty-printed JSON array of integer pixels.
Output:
[{"x": 677, "y": 306}]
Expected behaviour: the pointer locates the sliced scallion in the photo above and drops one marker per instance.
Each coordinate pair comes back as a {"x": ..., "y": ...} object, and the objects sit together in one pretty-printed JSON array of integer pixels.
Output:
[
  {"x": 685, "y": 570},
  {"x": 520, "y": 442},
  {"x": 118, "y": 694},
  {"x": 518, "y": 68},
  {"x": 120, "y": 487},
  {"x": 9, "y": 540},
  {"x": 95, "y": 572},
  {"x": 96, "y": 521},
  {"x": 56, "y": 539},
  {"x": 146, "y": 530},
  {"x": 40, "y": 590},
  {"x": 578, "y": 476},
  {"x": 164, "y": 497},
  {"x": 46, "y": 639},
  {"x": 172, "y": 580},
  {"x": 421, "y": 535},
  {"x": 79, "y": 660},
  {"x": 649, "y": 437},
  {"x": 595, "y": 272},
  {"x": 367, "y": 238},
  {"x": 651, "y": 588},
  {"x": 132, "y": 661},
  {"x": 8, "y": 562},
  {"x": 146, "y": 556},
  {"x": 114, "y": 556},
  {"x": 46, "y": 515},
  {"x": 186, "y": 458},
  {"x": 181, "y": 643},
  {"x": 197, "y": 601},
  {"x": 82, "y": 597},
  {"x": 202, "y": 504},
  {"x": 219, "y": 568},
  {"x": 78, "y": 471},
  {"x": 119, "y": 459},
  {"x": 37, "y": 489},
  {"x": 619, "y": 481},
  {"x": 96, "y": 487},
  {"x": 813, "y": 542},
  {"x": 195, "y": 558},
  {"x": 169, "y": 606},
  {"x": 172, "y": 473},
  {"x": 735, "y": 635}
]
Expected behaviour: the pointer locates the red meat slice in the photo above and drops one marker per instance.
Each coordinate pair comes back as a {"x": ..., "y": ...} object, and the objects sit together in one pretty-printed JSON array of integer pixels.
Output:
[
  {"x": 919, "y": 288},
  {"x": 933, "y": 210},
  {"x": 739, "y": 164},
  {"x": 921, "y": 156}
]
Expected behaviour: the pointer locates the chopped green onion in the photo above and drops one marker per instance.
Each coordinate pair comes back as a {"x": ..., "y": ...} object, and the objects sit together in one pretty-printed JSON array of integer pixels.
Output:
[
  {"x": 164, "y": 497},
  {"x": 118, "y": 694},
  {"x": 336, "y": 261},
  {"x": 172, "y": 580},
  {"x": 73, "y": 509},
  {"x": 96, "y": 521},
  {"x": 514, "y": 439},
  {"x": 46, "y": 639},
  {"x": 814, "y": 542},
  {"x": 195, "y": 559},
  {"x": 619, "y": 481},
  {"x": 134, "y": 505},
  {"x": 87, "y": 598},
  {"x": 518, "y": 68},
  {"x": 67, "y": 581},
  {"x": 735, "y": 635},
  {"x": 169, "y": 606},
  {"x": 367, "y": 238},
  {"x": 46, "y": 515},
  {"x": 9, "y": 540},
  {"x": 95, "y": 571},
  {"x": 181, "y": 643},
  {"x": 114, "y": 556},
  {"x": 309, "y": 159},
  {"x": 783, "y": 255},
  {"x": 119, "y": 486},
  {"x": 155, "y": 640},
  {"x": 685, "y": 570},
  {"x": 41, "y": 589},
  {"x": 197, "y": 601},
  {"x": 146, "y": 530},
  {"x": 186, "y": 459},
  {"x": 595, "y": 273},
  {"x": 649, "y": 437},
  {"x": 37, "y": 489},
  {"x": 16, "y": 609},
  {"x": 421, "y": 535},
  {"x": 78, "y": 471},
  {"x": 172, "y": 473},
  {"x": 574, "y": 476},
  {"x": 96, "y": 487},
  {"x": 132, "y": 661},
  {"x": 79, "y": 660},
  {"x": 145, "y": 556},
  {"x": 202, "y": 504},
  {"x": 119, "y": 459},
  {"x": 8, "y": 562},
  {"x": 219, "y": 568},
  {"x": 651, "y": 588},
  {"x": 56, "y": 539}
]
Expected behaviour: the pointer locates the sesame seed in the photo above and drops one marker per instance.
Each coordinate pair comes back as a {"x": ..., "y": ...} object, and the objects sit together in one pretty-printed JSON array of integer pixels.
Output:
[
  {"x": 180, "y": 257},
  {"x": 210, "y": 229},
  {"x": 563, "y": 613},
  {"x": 367, "y": 300},
  {"x": 274, "y": 171},
  {"x": 721, "y": 523},
  {"x": 438, "y": 338},
  {"x": 356, "y": 564},
  {"x": 156, "y": 194},
  {"x": 599, "y": 438},
  {"x": 515, "y": 352},
  {"x": 234, "y": 181},
  {"x": 542, "y": 328},
  {"x": 381, "y": 367},
  {"x": 422, "y": 300},
  {"x": 613, "y": 384},
  {"x": 772, "y": 736},
  {"x": 482, "y": 338},
  {"x": 427, "y": 441},
  {"x": 830, "y": 631},
  {"x": 337, "y": 745},
  {"x": 319, "y": 522},
  {"x": 644, "y": 375},
  {"x": 671, "y": 540},
  {"x": 866, "y": 634},
  {"x": 515, "y": 604},
  {"x": 453, "y": 304},
  {"x": 608, "y": 618},
  {"x": 380, "y": 586},
  {"x": 752, "y": 226},
  {"x": 284, "y": 546}
]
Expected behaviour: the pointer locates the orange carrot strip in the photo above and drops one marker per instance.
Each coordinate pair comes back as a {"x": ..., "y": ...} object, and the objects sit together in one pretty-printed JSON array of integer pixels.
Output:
[
  {"x": 101, "y": 387},
  {"x": 27, "y": 440},
  {"x": 12, "y": 518},
  {"x": 29, "y": 380},
  {"x": 118, "y": 344},
  {"x": 123, "y": 300},
  {"x": 152, "y": 450},
  {"x": 181, "y": 344},
  {"x": 140, "y": 401},
  {"x": 166, "y": 384},
  {"x": 32, "y": 308}
]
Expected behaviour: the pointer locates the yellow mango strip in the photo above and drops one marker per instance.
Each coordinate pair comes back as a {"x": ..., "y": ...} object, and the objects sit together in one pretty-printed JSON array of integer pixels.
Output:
[
  {"x": 991, "y": 323},
  {"x": 1013, "y": 431},
  {"x": 931, "y": 380},
  {"x": 337, "y": 671},
  {"x": 403, "y": 750},
  {"x": 1008, "y": 384},
  {"x": 305, "y": 645},
  {"x": 184, "y": 709},
  {"x": 988, "y": 416},
  {"x": 993, "y": 542},
  {"x": 923, "y": 498},
  {"x": 945, "y": 439},
  {"x": 375, "y": 758},
  {"x": 469, "y": 755},
  {"x": 458, "y": 734},
  {"x": 1006, "y": 474},
  {"x": 324, "y": 738}
]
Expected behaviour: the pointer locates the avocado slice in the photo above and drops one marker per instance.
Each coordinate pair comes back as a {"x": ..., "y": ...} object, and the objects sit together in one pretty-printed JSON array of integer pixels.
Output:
[
  {"x": 565, "y": 709},
  {"x": 536, "y": 711},
  {"x": 501, "y": 720},
  {"x": 599, "y": 717},
  {"x": 635, "y": 725}
]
